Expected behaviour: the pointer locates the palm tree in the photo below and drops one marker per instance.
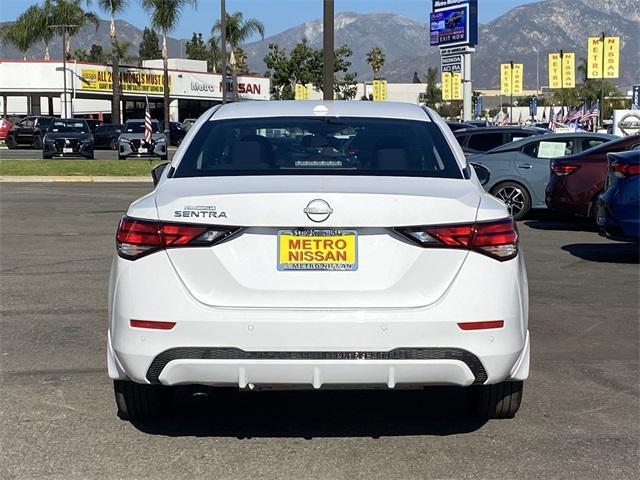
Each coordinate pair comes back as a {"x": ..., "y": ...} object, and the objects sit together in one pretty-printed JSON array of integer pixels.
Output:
[
  {"x": 238, "y": 31},
  {"x": 70, "y": 12},
  {"x": 165, "y": 15},
  {"x": 214, "y": 49},
  {"x": 375, "y": 59},
  {"x": 38, "y": 20},
  {"x": 18, "y": 35},
  {"x": 114, "y": 7}
]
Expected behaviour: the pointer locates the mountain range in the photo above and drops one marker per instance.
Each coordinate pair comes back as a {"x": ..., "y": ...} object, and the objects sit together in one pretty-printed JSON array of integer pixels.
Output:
[{"x": 545, "y": 26}]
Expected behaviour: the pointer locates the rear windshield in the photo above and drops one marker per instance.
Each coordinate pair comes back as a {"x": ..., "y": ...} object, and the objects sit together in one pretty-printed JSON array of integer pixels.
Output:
[
  {"x": 319, "y": 146},
  {"x": 138, "y": 127}
]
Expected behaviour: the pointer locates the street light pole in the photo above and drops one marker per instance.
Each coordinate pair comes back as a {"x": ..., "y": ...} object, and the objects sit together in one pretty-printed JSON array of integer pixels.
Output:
[
  {"x": 327, "y": 46},
  {"x": 602, "y": 85},
  {"x": 511, "y": 94},
  {"x": 64, "y": 62},
  {"x": 223, "y": 47}
]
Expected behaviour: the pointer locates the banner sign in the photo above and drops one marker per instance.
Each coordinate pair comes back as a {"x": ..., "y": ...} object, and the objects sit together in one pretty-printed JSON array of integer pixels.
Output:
[
  {"x": 562, "y": 68},
  {"x": 379, "y": 90},
  {"x": 451, "y": 63},
  {"x": 479, "y": 108},
  {"x": 131, "y": 81},
  {"x": 451, "y": 86},
  {"x": 603, "y": 58},
  {"x": 635, "y": 98},
  {"x": 511, "y": 79},
  {"x": 302, "y": 92},
  {"x": 454, "y": 22}
]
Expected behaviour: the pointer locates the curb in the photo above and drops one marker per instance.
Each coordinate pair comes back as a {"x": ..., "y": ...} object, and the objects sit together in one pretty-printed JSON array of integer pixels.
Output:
[{"x": 73, "y": 179}]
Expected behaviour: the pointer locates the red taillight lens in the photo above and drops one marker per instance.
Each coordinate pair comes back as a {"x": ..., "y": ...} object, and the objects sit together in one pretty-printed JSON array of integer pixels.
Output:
[
  {"x": 136, "y": 238},
  {"x": 622, "y": 170},
  {"x": 152, "y": 324},
  {"x": 497, "y": 239},
  {"x": 481, "y": 325},
  {"x": 563, "y": 169}
]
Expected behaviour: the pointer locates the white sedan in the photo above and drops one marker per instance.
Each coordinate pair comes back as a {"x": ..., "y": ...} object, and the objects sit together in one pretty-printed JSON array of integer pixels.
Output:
[{"x": 319, "y": 244}]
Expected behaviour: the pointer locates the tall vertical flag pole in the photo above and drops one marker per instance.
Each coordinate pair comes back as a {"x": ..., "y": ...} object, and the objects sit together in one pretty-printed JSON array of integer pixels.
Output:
[
  {"x": 511, "y": 92},
  {"x": 562, "y": 78},
  {"x": 223, "y": 47},
  {"x": 602, "y": 85},
  {"x": 327, "y": 48}
]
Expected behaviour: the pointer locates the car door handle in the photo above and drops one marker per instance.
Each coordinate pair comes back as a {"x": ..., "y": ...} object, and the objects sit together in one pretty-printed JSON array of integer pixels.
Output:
[{"x": 524, "y": 165}]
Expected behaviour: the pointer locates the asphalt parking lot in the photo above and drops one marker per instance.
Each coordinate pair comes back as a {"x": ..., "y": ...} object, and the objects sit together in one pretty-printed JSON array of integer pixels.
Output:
[
  {"x": 579, "y": 418},
  {"x": 31, "y": 154}
]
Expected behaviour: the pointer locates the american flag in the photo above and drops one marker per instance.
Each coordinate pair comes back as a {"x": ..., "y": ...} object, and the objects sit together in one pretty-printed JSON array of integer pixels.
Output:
[
  {"x": 575, "y": 114},
  {"x": 505, "y": 120},
  {"x": 552, "y": 120},
  {"x": 147, "y": 122},
  {"x": 591, "y": 114}
]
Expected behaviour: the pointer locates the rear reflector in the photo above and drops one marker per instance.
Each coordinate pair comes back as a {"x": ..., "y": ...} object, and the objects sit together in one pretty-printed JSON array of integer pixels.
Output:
[
  {"x": 136, "y": 238},
  {"x": 152, "y": 324},
  {"x": 563, "y": 169},
  {"x": 481, "y": 325},
  {"x": 497, "y": 239}
]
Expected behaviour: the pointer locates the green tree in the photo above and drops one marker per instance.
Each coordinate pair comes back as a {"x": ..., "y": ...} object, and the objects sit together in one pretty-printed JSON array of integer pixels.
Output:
[
  {"x": 196, "y": 49},
  {"x": 38, "y": 20},
  {"x": 113, "y": 8},
  {"x": 214, "y": 54},
  {"x": 70, "y": 12},
  {"x": 80, "y": 54},
  {"x": 150, "y": 45},
  {"x": 96, "y": 54},
  {"x": 433, "y": 94},
  {"x": 18, "y": 35},
  {"x": 238, "y": 31},
  {"x": 375, "y": 59},
  {"x": 164, "y": 16},
  {"x": 416, "y": 78}
]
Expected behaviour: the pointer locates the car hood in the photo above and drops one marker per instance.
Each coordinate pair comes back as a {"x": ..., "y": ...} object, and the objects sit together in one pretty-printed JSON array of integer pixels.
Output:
[
  {"x": 70, "y": 135},
  {"x": 140, "y": 136}
]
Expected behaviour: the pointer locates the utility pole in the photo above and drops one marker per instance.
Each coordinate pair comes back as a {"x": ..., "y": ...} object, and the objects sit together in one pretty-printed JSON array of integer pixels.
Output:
[
  {"x": 327, "y": 45},
  {"x": 64, "y": 62},
  {"x": 467, "y": 88},
  {"x": 223, "y": 47},
  {"x": 562, "y": 79}
]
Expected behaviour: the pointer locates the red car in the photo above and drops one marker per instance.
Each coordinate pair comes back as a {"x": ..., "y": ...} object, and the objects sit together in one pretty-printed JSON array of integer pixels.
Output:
[
  {"x": 5, "y": 125},
  {"x": 577, "y": 180}
]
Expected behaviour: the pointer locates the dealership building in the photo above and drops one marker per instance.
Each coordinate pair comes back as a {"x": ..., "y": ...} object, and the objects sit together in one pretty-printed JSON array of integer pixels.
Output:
[{"x": 37, "y": 87}]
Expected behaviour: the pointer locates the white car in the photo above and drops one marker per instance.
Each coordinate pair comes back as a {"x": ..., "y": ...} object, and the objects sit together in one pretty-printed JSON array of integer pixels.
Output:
[{"x": 273, "y": 254}]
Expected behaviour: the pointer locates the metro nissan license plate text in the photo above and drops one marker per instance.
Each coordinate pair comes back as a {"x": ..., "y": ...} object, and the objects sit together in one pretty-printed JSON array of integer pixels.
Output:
[{"x": 317, "y": 249}]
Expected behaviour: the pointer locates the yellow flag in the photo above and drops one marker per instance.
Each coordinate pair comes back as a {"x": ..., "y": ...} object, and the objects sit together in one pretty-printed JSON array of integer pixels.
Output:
[
  {"x": 446, "y": 86},
  {"x": 594, "y": 57},
  {"x": 456, "y": 86},
  {"x": 555, "y": 71},
  {"x": 569, "y": 70},
  {"x": 383, "y": 90},
  {"x": 517, "y": 78},
  {"x": 611, "y": 57},
  {"x": 505, "y": 79}
]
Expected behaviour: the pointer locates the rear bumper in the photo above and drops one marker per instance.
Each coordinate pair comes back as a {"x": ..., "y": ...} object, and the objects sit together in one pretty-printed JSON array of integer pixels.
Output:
[
  {"x": 319, "y": 347},
  {"x": 616, "y": 227}
]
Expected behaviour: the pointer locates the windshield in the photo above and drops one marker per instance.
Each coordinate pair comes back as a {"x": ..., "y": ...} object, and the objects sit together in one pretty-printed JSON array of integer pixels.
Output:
[
  {"x": 68, "y": 126},
  {"x": 319, "y": 146},
  {"x": 138, "y": 127}
]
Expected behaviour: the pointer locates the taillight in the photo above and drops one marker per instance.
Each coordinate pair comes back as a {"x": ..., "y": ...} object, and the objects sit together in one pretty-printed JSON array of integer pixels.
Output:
[
  {"x": 563, "y": 169},
  {"x": 622, "y": 170},
  {"x": 136, "y": 238},
  {"x": 498, "y": 239}
]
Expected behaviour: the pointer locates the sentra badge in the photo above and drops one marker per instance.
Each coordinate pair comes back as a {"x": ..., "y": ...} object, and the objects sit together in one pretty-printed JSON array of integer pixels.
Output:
[{"x": 199, "y": 211}]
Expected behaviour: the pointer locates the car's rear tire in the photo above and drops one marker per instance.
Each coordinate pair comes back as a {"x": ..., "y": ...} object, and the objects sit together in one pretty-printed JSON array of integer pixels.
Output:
[
  {"x": 37, "y": 142},
  {"x": 11, "y": 142},
  {"x": 122, "y": 157},
  {"x": 501, "y": 400},
  {"x": 516, "y": 196},
  {"x": 113, "y": 144},
  {"x": 136, "y": 401}
]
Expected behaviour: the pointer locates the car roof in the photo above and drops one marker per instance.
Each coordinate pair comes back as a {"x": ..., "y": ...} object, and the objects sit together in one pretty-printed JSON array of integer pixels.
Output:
[
  {"x": 549, "y": 137},
  {"x": 335, "y": 108}
]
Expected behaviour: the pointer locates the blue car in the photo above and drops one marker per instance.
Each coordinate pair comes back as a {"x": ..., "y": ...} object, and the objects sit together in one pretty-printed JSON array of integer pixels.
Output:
[
  {"x": 619, "y": 205},
  {"x": 520, "y": 169}
]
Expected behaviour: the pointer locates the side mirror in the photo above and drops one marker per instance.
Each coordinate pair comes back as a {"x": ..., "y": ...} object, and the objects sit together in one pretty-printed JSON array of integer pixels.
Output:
[
  {"x": 156, "y": 172},
  {"x": 483, "y": 173}
]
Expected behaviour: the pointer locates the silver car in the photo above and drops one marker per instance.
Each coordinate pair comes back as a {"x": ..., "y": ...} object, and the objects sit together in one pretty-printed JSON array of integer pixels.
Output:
[
  {"x": 131, "y": 142},
  {"x": 520, "y": 169}
]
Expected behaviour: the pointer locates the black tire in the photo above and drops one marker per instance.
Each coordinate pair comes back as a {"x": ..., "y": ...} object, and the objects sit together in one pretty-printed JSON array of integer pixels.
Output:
[
  {"x": 37, "y": 142},
  {"x": 121, "y": 157},
  {"x": 90, "y": 156},
  {"x": 178, "y": 141},
  {"x": 593, "y": 210},
  {"x": 11, "y": 143},
  {"x": 501, "y": 400},
  {"x": 113, "y": 144},
  {"x": 47, "y": 157},
  {"x": 516, "y": 196},
  {"x": 137, "y": 402},
  {"x": 164, "y": 158}
]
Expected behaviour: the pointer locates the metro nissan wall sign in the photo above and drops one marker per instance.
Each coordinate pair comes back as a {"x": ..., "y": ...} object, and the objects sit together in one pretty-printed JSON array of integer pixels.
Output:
[{"x": 454, "y": 22}]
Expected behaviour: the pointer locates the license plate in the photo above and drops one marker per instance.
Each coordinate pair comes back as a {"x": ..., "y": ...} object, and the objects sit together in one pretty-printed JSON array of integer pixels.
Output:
[
  {"x": 67, "y": 150},
  {"x": 142, "y": 150},
  {"x": 318, "y": 249}
]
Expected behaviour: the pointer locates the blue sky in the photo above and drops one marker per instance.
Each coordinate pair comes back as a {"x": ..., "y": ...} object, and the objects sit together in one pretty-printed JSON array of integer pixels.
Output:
[{"x": 278, "y": 15}]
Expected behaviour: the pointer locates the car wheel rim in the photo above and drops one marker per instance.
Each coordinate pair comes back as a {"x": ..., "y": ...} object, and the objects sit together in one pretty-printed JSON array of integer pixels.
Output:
[{"x": 513, "y": 197}]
